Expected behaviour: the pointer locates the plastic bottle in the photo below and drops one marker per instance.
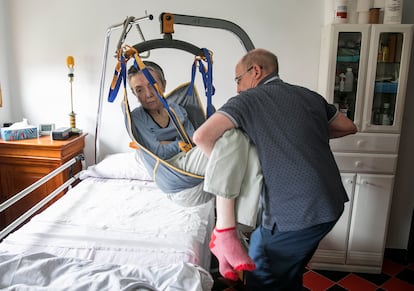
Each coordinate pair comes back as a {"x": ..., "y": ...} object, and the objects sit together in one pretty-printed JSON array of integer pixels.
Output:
[
  {"x": 341, "y": 11},
  {"x": 385, "y": 53},
  {"x": 386, "y": 115},
  {"x": 392, "y": 11},
  {"x": 344, "y": 108},
  {"x": 349, "y": 80},
  {"x": 342, "y": 82}
]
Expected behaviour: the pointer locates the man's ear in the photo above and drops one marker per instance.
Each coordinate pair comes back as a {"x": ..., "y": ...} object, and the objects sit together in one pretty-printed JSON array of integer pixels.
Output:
[{"x": 258, "y": 72}]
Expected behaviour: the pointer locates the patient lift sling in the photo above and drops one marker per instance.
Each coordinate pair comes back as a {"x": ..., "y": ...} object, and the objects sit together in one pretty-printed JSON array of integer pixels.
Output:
[{"x": 169, "y": 178}]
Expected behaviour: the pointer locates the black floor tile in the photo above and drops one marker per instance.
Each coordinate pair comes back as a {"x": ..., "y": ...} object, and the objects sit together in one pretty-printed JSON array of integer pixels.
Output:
[
  {"x": 406, "y": 275},
  {"x": 377, "y": 279},
  {"x": 332, "y": 275}
]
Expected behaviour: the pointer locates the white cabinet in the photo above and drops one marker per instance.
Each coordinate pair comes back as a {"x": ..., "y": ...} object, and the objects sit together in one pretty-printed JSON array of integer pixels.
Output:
[
  {"x": 378, "y": 56},
  {"x": 357, "y": 242}
]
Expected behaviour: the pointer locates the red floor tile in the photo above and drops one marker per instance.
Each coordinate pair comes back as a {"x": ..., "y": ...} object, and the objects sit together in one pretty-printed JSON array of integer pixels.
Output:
[
  {"x": 391, "y": 268},
  {"x": 395, "y": 284},
  {"x": 355, "y": 283},
  {"x": 316, "y": 282}
]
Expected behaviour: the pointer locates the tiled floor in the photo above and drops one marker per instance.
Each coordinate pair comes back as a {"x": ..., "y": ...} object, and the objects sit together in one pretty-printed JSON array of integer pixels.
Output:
[{"x": 395, "y": 276}]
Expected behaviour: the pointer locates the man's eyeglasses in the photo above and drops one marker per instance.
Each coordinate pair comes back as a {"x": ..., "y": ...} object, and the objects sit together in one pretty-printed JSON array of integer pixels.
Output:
[{"x": 239, "y": 77}]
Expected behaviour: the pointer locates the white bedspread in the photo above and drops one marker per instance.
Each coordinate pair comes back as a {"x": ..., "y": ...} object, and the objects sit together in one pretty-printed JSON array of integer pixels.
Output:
[
  {"x": 121, "y": 222},
  {"x": 43, "y": 271}
]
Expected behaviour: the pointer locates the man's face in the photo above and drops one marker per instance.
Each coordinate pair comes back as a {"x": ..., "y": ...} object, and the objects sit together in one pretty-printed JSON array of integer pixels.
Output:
[
  {"x": 144, "y": 91},
  {"x": 244, "y": 77}
]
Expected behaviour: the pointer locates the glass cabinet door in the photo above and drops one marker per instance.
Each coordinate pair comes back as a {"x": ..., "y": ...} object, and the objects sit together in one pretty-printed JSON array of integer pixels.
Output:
[
  {"x": 347, "y": 72},
  {"x": 343, "y": 67},
  {"x": 390, "y": 50}
]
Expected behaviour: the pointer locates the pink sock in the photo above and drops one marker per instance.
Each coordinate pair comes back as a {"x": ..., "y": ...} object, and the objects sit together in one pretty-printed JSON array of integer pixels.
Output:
[{"x": 232, "y": 256}]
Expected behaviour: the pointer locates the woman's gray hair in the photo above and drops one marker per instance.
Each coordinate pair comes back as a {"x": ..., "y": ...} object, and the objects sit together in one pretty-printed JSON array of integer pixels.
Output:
[{"x": 151, "y": 66}]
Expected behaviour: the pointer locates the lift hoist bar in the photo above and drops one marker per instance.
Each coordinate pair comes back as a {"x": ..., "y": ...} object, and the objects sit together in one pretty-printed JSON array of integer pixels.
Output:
[{"x": 167, "y": 28}]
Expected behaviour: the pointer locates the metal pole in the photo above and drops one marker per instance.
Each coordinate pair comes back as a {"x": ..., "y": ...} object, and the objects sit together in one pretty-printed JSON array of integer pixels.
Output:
[{"x": 102, "y": 83}]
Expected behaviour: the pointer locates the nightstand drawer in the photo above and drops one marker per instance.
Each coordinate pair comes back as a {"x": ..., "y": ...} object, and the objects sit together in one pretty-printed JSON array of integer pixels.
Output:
[
  {"x": 366, "y": 163},
  {"x": 366, "y": 142}
]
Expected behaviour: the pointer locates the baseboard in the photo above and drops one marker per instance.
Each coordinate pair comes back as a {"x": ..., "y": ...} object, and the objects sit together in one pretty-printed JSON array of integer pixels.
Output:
[{"x": 399, "y": 255}]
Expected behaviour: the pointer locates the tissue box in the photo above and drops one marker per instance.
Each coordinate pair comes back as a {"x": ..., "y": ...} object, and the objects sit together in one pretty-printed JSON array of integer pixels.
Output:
[{"x": 18, "y": 134}]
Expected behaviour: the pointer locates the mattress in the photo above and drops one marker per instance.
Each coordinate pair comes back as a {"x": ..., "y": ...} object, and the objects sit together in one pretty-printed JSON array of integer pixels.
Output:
[{"x": 109, "y": 219}]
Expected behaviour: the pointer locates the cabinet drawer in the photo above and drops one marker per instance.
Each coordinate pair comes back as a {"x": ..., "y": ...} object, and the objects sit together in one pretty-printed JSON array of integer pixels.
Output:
[
  {"x": 367, "y": 163},
  {"x": 366, "y": 142}
]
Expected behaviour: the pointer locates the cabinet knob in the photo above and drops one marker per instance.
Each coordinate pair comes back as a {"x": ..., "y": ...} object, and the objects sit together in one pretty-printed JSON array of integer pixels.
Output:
[
  {"x": 349, "y": 181},
  {"x": 364, "y": 182},
  {"x": 358, "y": 164}
]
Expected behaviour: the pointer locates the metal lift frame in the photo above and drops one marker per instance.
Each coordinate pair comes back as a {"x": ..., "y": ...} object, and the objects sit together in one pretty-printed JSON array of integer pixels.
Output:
[{"x": 167, "y": 28}]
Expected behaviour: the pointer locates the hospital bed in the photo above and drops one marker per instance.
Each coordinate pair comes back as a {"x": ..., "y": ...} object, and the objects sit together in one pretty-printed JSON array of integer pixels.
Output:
[
  {"x": 115, "y": 227},
  {"x": 115, "y": 230}
]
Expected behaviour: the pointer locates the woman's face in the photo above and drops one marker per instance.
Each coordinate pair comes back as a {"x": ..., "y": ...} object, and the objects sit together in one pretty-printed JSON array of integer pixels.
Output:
[{"x": 143, "y": 90}]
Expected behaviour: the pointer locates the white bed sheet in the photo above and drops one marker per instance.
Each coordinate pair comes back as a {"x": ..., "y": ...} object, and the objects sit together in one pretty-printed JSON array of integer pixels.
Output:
[
  {"x": 118, "y": 221},
  {"x": 42, "y": 271}
]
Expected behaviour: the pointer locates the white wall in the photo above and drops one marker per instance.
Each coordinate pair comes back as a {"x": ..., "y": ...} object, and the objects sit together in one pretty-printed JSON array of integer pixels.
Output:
[
  {"x": 36, "y": 37},
  {"x": 44, "y": 32}
]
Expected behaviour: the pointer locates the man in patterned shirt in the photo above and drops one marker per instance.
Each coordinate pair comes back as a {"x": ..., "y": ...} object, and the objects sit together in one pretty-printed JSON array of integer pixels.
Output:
[{"x": 303, "y": 195}]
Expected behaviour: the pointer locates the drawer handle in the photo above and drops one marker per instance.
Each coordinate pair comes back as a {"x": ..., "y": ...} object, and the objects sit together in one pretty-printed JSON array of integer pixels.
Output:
[
  {"x": 358, "y": 164},
  {"x": 366, "y": 183}
]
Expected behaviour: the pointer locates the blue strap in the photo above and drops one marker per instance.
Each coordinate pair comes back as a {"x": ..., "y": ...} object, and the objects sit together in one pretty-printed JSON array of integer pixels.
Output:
[
  {"x": 207, "y": 80},
  {"x": 119, "y": 77},
  {"x": 208, "y": 83}
]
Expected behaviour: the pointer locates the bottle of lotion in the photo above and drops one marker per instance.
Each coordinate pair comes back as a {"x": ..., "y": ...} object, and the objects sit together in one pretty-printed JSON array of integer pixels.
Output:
[{"x": 349, "y": 80}]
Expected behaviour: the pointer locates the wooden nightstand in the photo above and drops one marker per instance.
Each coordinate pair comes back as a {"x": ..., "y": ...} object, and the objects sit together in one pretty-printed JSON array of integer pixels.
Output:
[{"x": 24, "y": 162}]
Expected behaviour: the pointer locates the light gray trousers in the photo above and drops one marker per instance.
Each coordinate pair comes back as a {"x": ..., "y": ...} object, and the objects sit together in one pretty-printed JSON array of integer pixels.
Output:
[{"x": 233, "y": 171}]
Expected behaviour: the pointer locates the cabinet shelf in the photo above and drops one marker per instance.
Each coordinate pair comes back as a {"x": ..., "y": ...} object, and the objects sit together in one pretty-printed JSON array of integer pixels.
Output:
[
  {"x": 386, "y": 87},
  {"x": 347, "y": 59}
]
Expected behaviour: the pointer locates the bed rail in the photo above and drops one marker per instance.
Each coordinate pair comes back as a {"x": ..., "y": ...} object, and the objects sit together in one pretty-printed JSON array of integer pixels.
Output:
[{"x": 44, "y": 201}]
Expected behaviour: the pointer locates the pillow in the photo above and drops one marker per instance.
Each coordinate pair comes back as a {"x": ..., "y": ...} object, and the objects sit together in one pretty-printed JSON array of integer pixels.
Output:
[{"x": 118, "y": 166}]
